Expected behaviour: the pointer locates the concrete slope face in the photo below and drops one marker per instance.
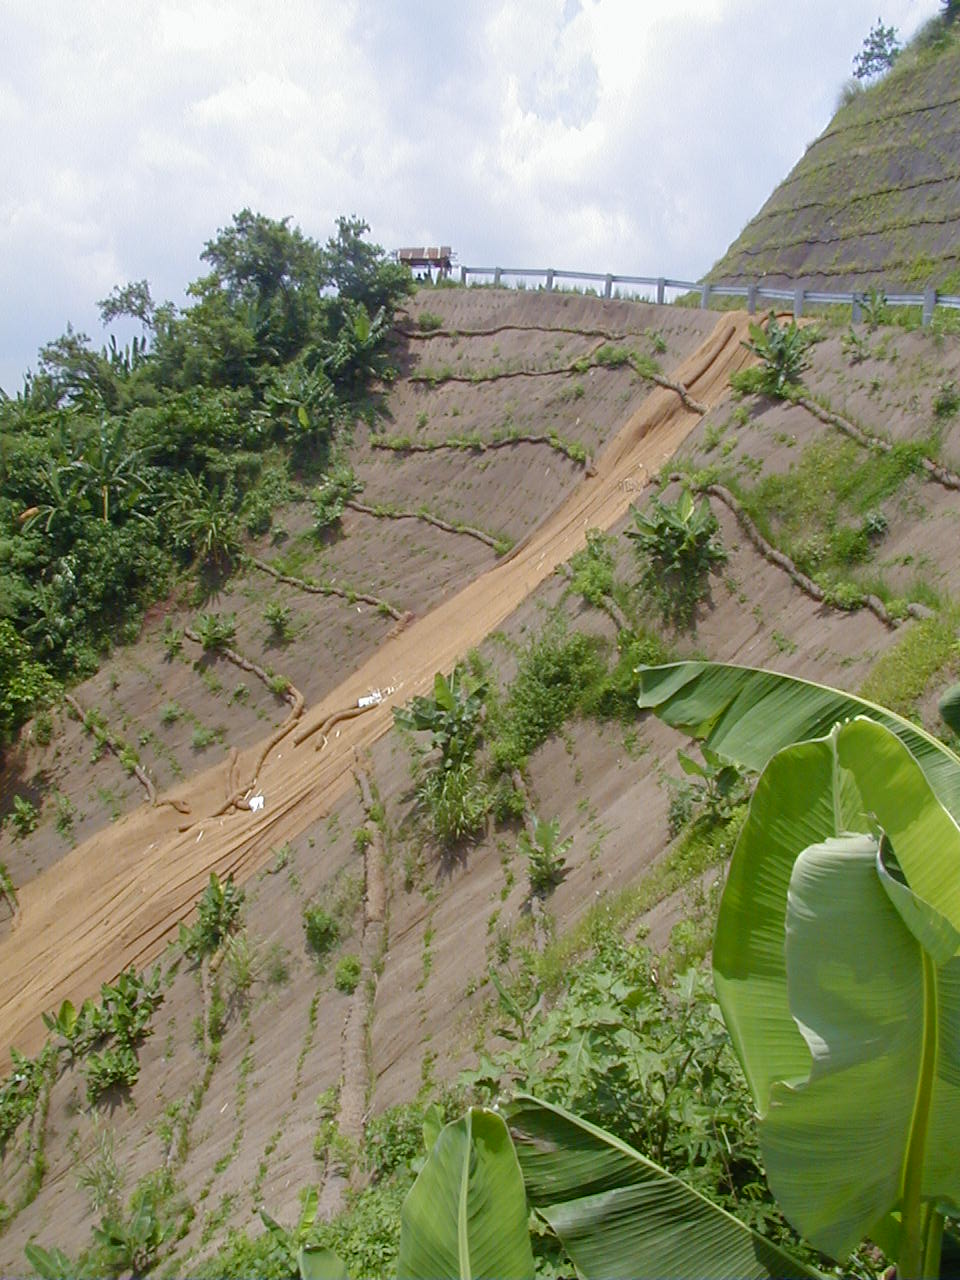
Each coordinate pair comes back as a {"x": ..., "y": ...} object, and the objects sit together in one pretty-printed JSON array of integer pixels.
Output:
[{"x": 875, "y": 200}]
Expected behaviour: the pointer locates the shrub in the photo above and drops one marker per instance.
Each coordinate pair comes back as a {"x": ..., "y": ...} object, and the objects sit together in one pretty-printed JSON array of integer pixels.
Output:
[
  {"x": 347, "y": 974},
  {"x": 711, "y": 791},
  {"x": 429, "y": 322},
  {"x": 947, "y": 400},
  {"x": 556, "y": 674},
  {"x": 782, "y": 353},
  {"x": 332, "y": 495},
  {"x": 24, "y": 683},
  {"x": 593, "y": 568},
  {"x": 217, "y": 913},
  {"x": 545, "y": 853},
  {"x": 23, "y": 817},
  {"x": 322, "y": 930},
  {"x": 679, "y": 545},
  {"x": 278, "y": 617},
  {"x": 113, "y": 1067},
  {"x": 170, "y": 713},
  {"x": 216, "y": 631}
]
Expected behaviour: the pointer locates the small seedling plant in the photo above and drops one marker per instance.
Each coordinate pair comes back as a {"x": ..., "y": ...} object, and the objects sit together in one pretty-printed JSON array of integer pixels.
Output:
[{"x": 679, "y": 544}]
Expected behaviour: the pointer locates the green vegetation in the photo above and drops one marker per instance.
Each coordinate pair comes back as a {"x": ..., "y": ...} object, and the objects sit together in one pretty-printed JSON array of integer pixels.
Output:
[
  {"x": 24, "y": 817},
  {"x": 122, "y": 466},
  {"x": 322, "y": 930},
  {"x": 347, "y": 974},
  {"x": 331, "y": 496},
  {"x": 218, "y": 910},
  {"x": 782, "y": 351},
  {"x": 545, "y": 853},
  {"x": 678, "y": 544},
  {"x": 216, "y": 631}
]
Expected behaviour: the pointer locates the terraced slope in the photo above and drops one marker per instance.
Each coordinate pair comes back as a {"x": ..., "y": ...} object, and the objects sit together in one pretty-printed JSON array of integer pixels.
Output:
[{"x": 876, "y": 198}]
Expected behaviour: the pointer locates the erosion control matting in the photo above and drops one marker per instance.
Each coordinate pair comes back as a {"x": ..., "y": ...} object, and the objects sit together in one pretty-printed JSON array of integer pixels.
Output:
[{"x": 116, "y": 899}]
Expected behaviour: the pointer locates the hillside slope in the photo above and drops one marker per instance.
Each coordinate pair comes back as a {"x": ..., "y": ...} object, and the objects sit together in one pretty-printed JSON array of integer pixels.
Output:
[
  {"x": 875, "y": 200},
  {"x": 264, "y": 1076}
]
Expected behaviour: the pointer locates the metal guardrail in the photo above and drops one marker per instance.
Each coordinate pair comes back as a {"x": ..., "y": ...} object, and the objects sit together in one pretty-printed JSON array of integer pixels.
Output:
[{"x": 928, "y": 301}]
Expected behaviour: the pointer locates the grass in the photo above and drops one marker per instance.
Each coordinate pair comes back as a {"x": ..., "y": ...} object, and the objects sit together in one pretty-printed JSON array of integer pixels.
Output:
[
  {"x": 903, "y": 674},
  {"x": 699, "y": 847}
]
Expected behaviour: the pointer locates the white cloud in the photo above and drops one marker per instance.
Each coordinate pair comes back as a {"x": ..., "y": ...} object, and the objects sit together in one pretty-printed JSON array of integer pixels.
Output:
[{"x": 635, "y": 135}]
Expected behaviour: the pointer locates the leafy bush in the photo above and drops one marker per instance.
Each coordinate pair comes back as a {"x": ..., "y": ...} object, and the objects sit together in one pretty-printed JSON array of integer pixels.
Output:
[
  {"x": 452, "y": 716},
  {"x": 782, "y": 351},
  {"x": 593, "y": 568},
  {"x": 114, "y": 1067},
  {"x": 216, "y": 631},
  {"x": 428, "y": 322},
  {"x": 332, "y": 495},
  {"x": 24, "y": 817},
  {"x": 679, "y": 545},
  {"x": 24, "y": 683},
  {"x": 347, "y": 974},
  {"x": 278, "y": 617},
  {"x": 947, "y": 400},
  {"x": 322, "y": 930},
  {"x": 217, "y": 916},
  {"x": 545, "y": 853},
  {"x": 555, "y": 676},
  {"x": 711, "y": 791}
]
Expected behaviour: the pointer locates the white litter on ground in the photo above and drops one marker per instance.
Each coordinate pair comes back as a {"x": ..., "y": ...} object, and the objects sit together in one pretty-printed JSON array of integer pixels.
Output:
[{"x": 256, "y": 802}]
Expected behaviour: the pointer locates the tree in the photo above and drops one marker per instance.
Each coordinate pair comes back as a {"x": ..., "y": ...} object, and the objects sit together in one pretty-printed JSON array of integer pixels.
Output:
[
  {"x": 132, "y": 300},
  {"x": 359, "y": 271},
  {"x": 881, "y": 48}
]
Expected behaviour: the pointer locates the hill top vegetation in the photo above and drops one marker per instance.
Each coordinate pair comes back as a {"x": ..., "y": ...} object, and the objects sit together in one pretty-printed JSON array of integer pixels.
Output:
[{"x": 119, "y": 467}]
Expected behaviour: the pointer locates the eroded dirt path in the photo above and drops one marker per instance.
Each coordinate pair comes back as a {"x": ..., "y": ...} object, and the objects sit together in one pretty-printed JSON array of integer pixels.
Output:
[{"x": 116, "y": 899}]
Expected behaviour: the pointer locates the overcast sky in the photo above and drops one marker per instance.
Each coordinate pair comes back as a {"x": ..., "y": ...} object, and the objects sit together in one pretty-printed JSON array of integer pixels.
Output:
[{"x": 633, "y": 136}]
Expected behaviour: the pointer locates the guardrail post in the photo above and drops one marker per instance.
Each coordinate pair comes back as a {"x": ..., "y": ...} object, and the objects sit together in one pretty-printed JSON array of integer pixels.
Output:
[
  {"x": 856, "y": 310},
  {"x": 608, "y": 287},
  {"x": 496, "y": 275},
  {"x": 752, "y": 299},
  {"x": 661, "y": 284},
  {"x": 797, "y": 303},
  {"x": 549, "y": 279},
  {"x": 463, "y": 275},
  {"x": 929, "y": 302},
  {"x": 704, "y": 296}
]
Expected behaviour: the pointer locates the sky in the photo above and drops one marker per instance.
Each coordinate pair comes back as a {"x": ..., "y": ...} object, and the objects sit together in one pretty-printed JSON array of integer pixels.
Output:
[{"x": 632, "y": 136}]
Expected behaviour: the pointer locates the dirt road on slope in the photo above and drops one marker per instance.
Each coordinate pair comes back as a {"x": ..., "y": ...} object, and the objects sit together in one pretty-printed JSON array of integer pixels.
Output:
[{"x": 116, "y": 899}]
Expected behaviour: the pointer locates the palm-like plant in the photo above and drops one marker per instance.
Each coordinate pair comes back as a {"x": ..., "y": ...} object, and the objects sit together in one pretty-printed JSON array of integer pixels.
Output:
[
  {"x": 202, "y": 521},
  {"x": 679, "y": 545},
  {"x": 782, "y": 350},
  {"x": 109, "y": 472}
]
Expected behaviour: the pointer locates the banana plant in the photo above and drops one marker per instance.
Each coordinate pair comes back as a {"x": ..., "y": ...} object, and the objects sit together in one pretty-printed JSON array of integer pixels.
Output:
[
  {"x": 837, "y": 953},
  {"x": 615, "y": 1212}
]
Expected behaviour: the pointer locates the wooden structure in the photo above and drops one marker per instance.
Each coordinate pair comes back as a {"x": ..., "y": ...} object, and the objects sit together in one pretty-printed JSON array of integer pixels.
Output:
[{"x": 437, "y": 258}]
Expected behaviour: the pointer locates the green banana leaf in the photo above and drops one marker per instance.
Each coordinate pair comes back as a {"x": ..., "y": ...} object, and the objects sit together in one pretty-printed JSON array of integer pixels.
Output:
[
  {"x": 747, "y": 715},
  {"x": 835, "y": 958},
  {"x": 466, "y": 1214},
  {"x": 316, "y": 1263},
  {"x": 618, "y": 1214}
]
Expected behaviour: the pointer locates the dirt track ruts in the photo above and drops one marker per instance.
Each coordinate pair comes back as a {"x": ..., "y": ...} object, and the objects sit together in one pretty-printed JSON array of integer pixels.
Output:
[{"x": 116, "y": 899}]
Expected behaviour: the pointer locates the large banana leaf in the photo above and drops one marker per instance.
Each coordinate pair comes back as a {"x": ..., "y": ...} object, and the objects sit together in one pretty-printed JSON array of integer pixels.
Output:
[
  {"x": 747, "y": 715},
  {"x": 837, "y": 974},
  {"x": 466, "y": 1214},
  {"x": 618, "y": 1214}
]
